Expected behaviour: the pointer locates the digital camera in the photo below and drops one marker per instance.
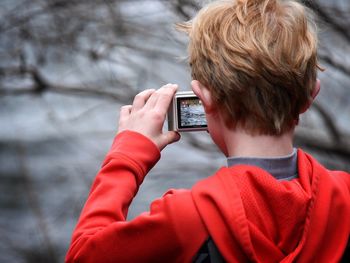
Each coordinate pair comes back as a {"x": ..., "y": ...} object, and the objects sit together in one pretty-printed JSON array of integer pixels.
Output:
[{"x": 186, "y": 113}]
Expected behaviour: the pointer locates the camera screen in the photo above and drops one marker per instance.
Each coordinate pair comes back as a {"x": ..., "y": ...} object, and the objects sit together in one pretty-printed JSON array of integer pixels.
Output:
[{"x": 190, "y": 113}]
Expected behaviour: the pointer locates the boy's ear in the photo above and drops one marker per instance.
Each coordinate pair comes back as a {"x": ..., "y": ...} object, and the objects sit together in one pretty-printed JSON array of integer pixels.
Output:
[
  {"x": 314, "y": 94},
  {"x": 204, "y": 95}
]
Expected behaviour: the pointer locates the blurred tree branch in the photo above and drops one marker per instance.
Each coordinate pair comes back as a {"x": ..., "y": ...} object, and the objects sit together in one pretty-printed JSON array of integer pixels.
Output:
[
  {"x": 185, "y": 8},
  {"x": 40, "y": 85},
  {"x": 327, "y": 58},
  {"x": 33, "y": 202},
  {"x": 330, "y": 18}
]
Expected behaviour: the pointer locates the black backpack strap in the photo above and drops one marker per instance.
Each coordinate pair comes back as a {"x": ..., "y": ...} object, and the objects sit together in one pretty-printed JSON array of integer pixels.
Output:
[
  {"x": 209, "y": 253},
  {"x": 346, "y": 256}
]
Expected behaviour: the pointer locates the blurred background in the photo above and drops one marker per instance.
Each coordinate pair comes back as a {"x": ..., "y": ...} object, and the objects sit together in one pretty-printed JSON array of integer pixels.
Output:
[{"x": 66, "y": 66}]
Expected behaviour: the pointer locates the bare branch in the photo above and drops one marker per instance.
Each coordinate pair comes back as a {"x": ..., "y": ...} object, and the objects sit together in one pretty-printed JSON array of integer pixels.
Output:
[
  {"x": 327, "y": 58},
  {"x": 320, "y": 144},
  {"x": 328, "y": 121},
  {"x": 329, "y": 19},
  {"x": 182, "y": 7},
  {"x": 40, "y": 85},
  {"x": 35, "y": 207}
]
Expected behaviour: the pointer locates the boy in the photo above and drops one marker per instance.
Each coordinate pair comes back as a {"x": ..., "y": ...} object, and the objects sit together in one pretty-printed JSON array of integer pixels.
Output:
[{"x": 254, "y": 68}]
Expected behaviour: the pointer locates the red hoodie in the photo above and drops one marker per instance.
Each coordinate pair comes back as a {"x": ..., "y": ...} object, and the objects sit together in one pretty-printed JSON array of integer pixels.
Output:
[{"x": 248, "y": 213}]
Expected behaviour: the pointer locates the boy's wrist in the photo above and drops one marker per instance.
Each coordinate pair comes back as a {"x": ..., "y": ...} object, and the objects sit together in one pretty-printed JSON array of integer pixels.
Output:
[{"x": 137, "y": 147}]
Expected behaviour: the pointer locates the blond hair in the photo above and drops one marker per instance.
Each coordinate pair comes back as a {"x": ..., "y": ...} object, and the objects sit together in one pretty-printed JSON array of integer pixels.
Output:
[{"x": 258, "y": 58}]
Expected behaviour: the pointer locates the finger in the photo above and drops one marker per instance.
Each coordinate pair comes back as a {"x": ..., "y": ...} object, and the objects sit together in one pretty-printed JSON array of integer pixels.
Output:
[
  {"x": 151, "y": 103},
  {"x": 124, "y": 116},
  {"x": 165, "y": 96},
  {"x": 141, "y": 99},
  {"x": 125, "y": 111}
]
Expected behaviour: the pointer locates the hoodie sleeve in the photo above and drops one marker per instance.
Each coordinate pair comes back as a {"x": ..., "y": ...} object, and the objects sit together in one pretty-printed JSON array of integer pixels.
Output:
[
  {"x": 102, "y": 233},
  {"x": 160, "y": 235},
  {"x": 346, "y": 177},
  {"x": 343, "y": 178}
]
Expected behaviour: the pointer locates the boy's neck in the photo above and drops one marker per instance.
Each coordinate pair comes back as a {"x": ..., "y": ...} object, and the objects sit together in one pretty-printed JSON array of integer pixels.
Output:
[{"x": 241, "y": 144}]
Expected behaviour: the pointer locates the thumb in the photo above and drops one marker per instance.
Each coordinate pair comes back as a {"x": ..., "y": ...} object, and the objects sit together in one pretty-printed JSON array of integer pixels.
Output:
[{"x": 171, "y": 137}]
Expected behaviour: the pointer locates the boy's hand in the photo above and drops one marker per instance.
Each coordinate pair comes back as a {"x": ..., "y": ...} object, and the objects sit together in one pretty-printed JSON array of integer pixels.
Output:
[{"x": 147, "y": 115}]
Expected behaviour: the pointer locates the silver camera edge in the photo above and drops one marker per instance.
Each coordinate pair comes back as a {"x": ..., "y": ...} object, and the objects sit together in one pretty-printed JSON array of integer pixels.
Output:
[{"x": 174, "y": 112}]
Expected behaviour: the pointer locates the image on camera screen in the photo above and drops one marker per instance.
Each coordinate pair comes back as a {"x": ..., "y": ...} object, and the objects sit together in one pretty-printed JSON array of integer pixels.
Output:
[{"x": 191, "y": 113}]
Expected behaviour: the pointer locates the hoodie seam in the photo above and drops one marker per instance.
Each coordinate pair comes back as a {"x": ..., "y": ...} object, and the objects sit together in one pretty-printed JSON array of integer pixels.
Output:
[
  {"x": 199, "y": 215},
  {"x": 314, "y": 193},
  {"x": 243, "y": 228}
]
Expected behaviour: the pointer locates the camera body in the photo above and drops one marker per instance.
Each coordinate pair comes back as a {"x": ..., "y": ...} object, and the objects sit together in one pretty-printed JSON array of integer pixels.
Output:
[{"x": 186, "y": 113}]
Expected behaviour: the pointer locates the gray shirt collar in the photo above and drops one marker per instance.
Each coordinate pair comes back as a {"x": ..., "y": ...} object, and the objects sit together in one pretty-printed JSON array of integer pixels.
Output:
[{"x": 282, "y": 168}]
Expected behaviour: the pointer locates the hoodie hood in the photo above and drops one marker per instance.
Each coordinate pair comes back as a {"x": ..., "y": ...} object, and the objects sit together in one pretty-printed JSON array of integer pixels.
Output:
[{"x": 251, "y": 216}]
